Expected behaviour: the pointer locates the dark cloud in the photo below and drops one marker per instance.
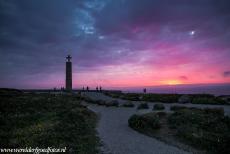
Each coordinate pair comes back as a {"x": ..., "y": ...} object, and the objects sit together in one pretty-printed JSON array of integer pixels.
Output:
[
  {"x": 35, "y": 36},
  {"x": 183, "y": 77},
  {"x": 226, "y": 74},
  {"x": 136, "y": 13}
]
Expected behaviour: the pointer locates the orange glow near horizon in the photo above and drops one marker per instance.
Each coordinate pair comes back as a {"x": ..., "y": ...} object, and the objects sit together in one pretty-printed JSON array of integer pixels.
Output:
[
  {"x": 172, "y": 82},
  {"x": 129, "y": 75}
]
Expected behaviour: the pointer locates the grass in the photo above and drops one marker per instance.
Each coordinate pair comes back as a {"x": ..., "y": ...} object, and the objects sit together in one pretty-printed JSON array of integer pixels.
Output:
[
  {"x": 206, "y": 129},
  {"x": 112, "y": 103},
  {"x": 126, "y": 96},
  {"x": 208, "y": 100},
  {"x": 202, "y": 129},
  {"x": 164, "y": 98},
  {"x": 179, "y": 107},
  {"x": 45, "y": 120},
  {"x": 143, "y": 123},
  {"x": 158, "y": 107},
  {"x": 128, "y": 104},
  {"x": 169, "y": 98},
  {"x": 143, "y": 106}
]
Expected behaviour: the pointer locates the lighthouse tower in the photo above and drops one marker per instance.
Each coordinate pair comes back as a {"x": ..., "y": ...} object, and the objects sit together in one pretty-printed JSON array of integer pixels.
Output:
[{"x": 68, "y": 81}]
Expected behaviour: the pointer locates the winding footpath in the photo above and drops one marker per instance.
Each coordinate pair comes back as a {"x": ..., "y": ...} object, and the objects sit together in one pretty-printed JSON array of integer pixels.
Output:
[{"x": 118, "y": 138}]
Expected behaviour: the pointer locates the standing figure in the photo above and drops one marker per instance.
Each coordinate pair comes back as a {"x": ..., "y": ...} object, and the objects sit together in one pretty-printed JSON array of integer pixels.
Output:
[
  {"x": 87, "y": 88},
  {"x": 100, "y": 88},
  {"x": 144, "y": 90},
  {"x": 97, "y": 88}
]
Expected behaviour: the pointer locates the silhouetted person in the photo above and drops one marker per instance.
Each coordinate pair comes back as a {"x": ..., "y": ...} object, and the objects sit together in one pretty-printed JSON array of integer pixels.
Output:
[
  {"x": 97, "y": 88},
  {"x": 144, "y": 90},
  {"x": 100, "y": 88},
  {"x": 87, "y": 88}
]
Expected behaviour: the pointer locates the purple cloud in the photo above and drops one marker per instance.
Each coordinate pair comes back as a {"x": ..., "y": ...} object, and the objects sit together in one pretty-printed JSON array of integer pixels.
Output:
[
  {"x": 226, "y": 74},
  {"x": 183, "y": 77},
  {"x": 35, "y": 37}
]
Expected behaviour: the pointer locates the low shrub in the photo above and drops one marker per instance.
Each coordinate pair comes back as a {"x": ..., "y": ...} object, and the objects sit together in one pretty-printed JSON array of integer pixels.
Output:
[
  {"x": 208, "y": 100},
  {"x": 164, "y": 98},
  {"x": 178, "y": 107},
  {"x": 161, "y": 114},
  {"x": 158, "y": 107},
  {"x": 128, "y": 104},
  {"x": 184, "y": 99},
  {"x": 143, "y": 106},
  {"x": 144, "y": 122},
  {"x": 45, "y": 120},
  {"x": 131, "y": 96},
  {"x": 113, "y": 94},
  {"x": 214, "y": 111},
  {"x": 101, "y": 102},
  {"x": 206, "y": 129},
  {"x": 89, "y": 100},
  {"x": 112, "y": 103},
  {"x": 126, "y": 96}
]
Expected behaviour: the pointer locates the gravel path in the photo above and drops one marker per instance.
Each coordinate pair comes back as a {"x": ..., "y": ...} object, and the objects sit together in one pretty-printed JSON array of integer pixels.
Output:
[{"x": 118, "y": 138}]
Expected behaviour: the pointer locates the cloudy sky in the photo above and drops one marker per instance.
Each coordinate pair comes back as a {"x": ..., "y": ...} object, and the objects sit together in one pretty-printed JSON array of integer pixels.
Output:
[{"x": 114, "y": 43}]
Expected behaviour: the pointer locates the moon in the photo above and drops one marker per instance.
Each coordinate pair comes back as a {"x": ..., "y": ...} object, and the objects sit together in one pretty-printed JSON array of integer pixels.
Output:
[{"x": 192, "y": 32}]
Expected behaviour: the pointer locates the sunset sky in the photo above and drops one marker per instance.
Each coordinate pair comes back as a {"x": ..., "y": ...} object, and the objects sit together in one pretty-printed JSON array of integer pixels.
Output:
[{"x": 114, "y": 43}]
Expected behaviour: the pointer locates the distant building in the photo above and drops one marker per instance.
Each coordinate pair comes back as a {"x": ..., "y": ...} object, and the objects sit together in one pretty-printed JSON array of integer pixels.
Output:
[{"x": 68, "y": 81}]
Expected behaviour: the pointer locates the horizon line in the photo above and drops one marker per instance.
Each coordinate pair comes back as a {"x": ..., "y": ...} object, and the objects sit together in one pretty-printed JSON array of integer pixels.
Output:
[{"x": 123, "y": 87}]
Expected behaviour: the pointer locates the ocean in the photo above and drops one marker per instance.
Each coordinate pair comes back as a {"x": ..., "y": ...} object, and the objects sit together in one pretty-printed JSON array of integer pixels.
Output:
[{"x": 215, "y": 89}]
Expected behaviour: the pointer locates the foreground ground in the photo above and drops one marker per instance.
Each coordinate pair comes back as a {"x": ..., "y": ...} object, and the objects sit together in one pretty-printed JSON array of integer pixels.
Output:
[
  {"x": 119, "y": 138},
  {"x": 45, "y": 120}
]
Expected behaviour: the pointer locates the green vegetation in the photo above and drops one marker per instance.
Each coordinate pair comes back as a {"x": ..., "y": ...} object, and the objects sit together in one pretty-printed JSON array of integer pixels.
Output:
[
  {"x": 126, "y": 96},
  {"x": 102, "y": 102},
  {"x": 158, "y": 107},
  {"x": 208, "y": 100},
  {"x": 203, "y": 129},
  {"x": 143, "y": 106},
  {"x": 206, "y": 129},
  {"x": 113, "y": 94},
  {"x": 164, "y": 98},
  {"x": 184, "y": 99},
  {"x": 112, "y": 103},
  {"x": 131, "y": 96},
  {"x": 45, "y": 120},
  {"x": 178, "y": 107},
  {"x": 170, "y": 98},
  {"x": 128, "y": 104},
  {"x": 144, "y": 123}
]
